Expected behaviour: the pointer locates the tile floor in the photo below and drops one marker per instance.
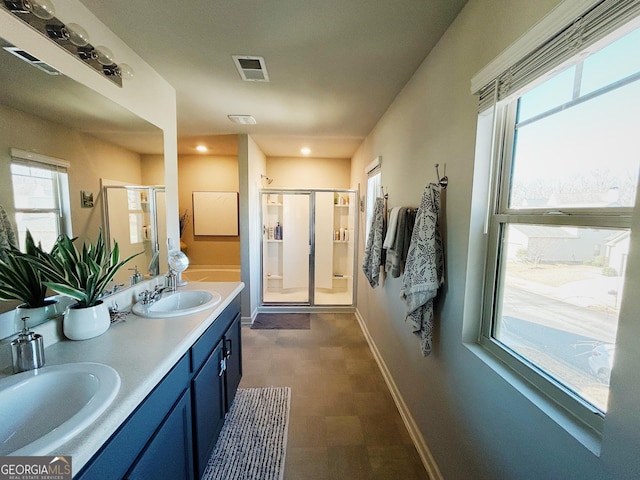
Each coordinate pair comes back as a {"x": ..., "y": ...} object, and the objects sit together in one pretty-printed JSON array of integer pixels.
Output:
[{"x": 343, "y": 422}]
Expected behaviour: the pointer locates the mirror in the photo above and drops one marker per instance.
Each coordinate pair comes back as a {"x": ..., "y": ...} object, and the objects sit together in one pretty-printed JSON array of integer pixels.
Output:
[
  {"x": 132, "y": 215},
  {"x": 103, "y": 143}
]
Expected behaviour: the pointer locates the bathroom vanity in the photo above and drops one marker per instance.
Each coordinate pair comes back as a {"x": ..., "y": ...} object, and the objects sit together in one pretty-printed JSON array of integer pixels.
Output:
[{"x": 178, "y": 376}]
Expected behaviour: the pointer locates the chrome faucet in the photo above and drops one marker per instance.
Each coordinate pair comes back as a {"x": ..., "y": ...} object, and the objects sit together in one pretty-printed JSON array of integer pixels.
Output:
[{"x": 148, "y": 296}]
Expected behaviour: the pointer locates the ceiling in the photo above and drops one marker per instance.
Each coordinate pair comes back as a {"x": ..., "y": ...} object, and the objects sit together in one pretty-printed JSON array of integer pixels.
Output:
[{"x": 334, "y": 66}]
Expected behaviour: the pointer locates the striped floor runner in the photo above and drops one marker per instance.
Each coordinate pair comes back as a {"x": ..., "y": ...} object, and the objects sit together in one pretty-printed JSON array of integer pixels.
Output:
[{"x": 253, "y": 442}]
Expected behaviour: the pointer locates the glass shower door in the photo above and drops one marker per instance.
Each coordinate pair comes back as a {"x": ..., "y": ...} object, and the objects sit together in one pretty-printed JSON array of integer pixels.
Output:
[{"x": 285, "y": 247}]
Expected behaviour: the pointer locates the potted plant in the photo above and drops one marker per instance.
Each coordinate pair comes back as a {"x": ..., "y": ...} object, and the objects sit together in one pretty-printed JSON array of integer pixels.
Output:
[
  {"x": 82, "y": 275},
  {"x": 21, "y": 280}
]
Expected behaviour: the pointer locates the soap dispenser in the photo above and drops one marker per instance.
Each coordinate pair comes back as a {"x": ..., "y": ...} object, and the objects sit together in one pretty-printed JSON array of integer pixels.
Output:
[
  {"x": 27, "y": 351},
  {"x": 136, "y": 277}
]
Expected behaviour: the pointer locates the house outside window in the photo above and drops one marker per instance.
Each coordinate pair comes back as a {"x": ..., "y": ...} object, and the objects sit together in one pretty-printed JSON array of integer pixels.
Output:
[{"x": 565, "y": 187}]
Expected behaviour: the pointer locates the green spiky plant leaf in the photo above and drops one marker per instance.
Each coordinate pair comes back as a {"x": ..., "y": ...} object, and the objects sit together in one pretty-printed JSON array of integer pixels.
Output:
[
  {"x": 81, "y": 274},
  {"x": 20, "y": 278}
]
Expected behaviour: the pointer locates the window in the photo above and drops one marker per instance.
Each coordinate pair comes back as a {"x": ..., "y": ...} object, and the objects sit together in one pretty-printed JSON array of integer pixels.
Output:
[
  {"x": 374, "y": 190},
  {"x": 564, "y": 191},
  {"x": 41, "y": 200}
]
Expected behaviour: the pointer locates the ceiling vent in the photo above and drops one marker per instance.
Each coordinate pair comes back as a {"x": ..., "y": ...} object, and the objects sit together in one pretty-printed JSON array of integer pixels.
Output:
[
  {"x": 251, "y": 69},
  {"x": 242, "y": 119},
  {"x": 31, "y": 60}
]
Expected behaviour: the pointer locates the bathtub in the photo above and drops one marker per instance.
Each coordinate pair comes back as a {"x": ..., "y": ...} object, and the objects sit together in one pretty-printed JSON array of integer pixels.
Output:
[{"x": 212, "y": 274}]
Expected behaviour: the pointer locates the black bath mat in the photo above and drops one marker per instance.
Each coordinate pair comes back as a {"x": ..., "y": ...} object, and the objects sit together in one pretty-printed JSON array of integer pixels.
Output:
[{"x": 282, "y": 321}]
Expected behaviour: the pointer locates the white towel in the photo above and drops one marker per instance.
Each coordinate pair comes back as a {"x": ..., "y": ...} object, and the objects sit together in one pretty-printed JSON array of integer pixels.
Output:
[
  {"x": 424, "y": 270},
  {"x": 391, "y": 228}
]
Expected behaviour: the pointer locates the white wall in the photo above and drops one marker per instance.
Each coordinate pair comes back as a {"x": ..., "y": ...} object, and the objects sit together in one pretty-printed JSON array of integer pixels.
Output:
[
  {"x": 477, "y": 422},
  {"x": 252, "y": 163}
]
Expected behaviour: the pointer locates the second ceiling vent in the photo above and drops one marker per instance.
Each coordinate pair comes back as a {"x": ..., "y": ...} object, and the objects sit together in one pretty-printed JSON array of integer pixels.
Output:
[{"x": 251, "y": 68}]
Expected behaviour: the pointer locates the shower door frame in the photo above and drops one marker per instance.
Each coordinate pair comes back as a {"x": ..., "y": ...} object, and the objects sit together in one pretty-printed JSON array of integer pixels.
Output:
[{"x": 310, "y": 303}]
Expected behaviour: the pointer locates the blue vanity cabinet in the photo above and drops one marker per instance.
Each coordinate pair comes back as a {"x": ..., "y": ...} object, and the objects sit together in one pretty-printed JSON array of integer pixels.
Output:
[
  {"x": 134, "y": 437},
  {"x": 168, "y": 453},
  {"x": 172, "y": 433},
  {"x": 217, "y": 370},
  {"x": 233, "y": 355},
  {"x": 208, "y": 407}
]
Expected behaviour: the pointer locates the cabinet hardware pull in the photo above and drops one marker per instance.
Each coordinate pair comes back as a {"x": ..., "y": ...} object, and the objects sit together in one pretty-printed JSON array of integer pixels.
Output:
[{"x": 228, "y": 348}]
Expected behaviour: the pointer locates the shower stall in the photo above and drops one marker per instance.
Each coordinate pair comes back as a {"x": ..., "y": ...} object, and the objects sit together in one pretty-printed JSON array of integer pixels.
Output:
[{"x": 308, "y": 247}]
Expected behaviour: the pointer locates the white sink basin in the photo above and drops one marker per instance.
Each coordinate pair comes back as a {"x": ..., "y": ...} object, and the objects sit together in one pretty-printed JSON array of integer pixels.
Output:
[
  {"x": 178, "y": 304},
  {"x": 42, "y": 409}
]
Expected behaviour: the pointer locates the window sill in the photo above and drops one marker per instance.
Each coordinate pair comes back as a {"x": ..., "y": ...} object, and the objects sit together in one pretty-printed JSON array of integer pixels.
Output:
[{"x": 585, "y": 435}]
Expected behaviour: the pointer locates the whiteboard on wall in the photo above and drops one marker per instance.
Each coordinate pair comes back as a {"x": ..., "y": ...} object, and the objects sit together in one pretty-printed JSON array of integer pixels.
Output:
[{"x": 215, "y": 213}]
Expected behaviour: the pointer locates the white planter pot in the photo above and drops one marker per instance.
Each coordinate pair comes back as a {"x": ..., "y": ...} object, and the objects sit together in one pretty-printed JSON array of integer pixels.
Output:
[
  {"x": 37, "y": 315},
  {"x": 85, "y": 323}
]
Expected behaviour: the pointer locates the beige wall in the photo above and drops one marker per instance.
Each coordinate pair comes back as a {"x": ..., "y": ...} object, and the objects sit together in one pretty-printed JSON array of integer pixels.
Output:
[
  {"x": 304, "y": 172},
  {"x": 152, "y": 169},
  {"x": 91, "y": 159},
  {"x": 477, "y": 421},
  {"x": 207, "y": 173}
]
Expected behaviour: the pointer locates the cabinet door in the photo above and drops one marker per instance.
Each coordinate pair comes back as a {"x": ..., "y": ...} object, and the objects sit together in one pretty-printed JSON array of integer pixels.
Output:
[
  {"x": 208, "y": 406},
  {"x": 169, "y": 452},
  {"x": 233, "y": 354}
]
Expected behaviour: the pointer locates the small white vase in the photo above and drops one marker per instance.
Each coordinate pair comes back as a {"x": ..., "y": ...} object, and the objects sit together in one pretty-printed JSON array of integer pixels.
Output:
[
  {"x": 37, "y": 315},
  {"x": 87, "y": 322}
]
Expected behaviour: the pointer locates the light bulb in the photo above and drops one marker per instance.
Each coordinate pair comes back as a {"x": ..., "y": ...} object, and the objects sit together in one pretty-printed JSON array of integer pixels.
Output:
[
  {"x": 126, "y": 72},
  {"x": 43, "y": 9},
  {"x": 77, "y": 35},
  {"x": 105, "y": 57}
]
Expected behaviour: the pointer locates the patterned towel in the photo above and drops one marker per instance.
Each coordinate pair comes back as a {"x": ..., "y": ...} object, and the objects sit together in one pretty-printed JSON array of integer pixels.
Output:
[
  {"x": 424, "y": 270},
  {"x": 7, "y": 236},
  {"x": 373, "y": 254}
]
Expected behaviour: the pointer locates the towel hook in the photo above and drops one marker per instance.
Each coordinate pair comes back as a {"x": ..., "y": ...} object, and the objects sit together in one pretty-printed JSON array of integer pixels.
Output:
[{"x": 442, "y": 181}]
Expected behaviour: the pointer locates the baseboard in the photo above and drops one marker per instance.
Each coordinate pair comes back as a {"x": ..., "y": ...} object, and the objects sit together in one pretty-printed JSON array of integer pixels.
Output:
[
  {"x": 249, "y": 320},
  {"x": 418, "y": 440}
]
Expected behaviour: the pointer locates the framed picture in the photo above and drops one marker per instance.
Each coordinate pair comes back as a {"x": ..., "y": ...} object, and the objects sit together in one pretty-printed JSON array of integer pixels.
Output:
[
  {"x": 86, "y": 199},
  {"x": 215, "y": 213}
]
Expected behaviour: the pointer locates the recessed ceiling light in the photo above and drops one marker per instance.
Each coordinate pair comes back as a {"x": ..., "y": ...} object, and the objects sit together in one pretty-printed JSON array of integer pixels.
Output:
[
  {"x": 305, "y": 150},
  {"x": 202, "y": 148},
  {"x": 242, "y": 119}
]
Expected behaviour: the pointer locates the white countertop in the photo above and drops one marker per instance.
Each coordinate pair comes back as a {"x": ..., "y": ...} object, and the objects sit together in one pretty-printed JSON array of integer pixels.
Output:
[{"x": 142, "y": 351}]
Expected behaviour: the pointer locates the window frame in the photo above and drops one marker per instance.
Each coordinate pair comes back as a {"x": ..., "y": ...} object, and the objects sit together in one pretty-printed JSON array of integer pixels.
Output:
[
  {"x": 60, "y": 180},
  {"x": 500, "y": 215}
]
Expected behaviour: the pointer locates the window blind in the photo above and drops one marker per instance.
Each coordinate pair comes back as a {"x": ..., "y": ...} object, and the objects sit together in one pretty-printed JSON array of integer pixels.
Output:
[
  {"x": 39, "y": 160},
  {"x": 585, "y": 30}
]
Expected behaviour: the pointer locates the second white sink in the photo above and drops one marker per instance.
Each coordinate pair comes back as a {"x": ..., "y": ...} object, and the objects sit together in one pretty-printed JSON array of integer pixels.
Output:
[{"x": 178, "y": 304}]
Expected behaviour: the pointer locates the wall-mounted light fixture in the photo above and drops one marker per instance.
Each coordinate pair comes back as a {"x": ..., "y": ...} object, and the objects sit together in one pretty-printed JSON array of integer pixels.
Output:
[{"x": 40, "y": 15}]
